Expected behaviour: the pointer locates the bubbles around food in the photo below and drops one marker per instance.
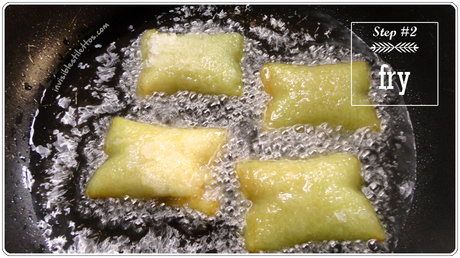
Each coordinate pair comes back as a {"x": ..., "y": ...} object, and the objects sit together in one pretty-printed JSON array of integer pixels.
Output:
[{"x": 73, "y": 223}]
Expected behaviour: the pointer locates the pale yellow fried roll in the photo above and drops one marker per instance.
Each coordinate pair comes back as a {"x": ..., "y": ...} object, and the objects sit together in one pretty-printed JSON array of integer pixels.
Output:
[
  {"x": 147, "y": 161},
  {"x": 296, "y": 201},
  {"x": 203, "y": 63},
  {"x": 318, "y": 94}
]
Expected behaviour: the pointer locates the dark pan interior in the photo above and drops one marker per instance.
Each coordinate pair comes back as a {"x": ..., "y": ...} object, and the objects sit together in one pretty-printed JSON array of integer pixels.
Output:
[{"x": 39, "y": 38}]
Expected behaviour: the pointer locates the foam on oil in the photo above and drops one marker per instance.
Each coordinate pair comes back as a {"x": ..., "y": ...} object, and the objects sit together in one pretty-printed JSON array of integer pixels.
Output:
[{"x": 145, "y": 226}]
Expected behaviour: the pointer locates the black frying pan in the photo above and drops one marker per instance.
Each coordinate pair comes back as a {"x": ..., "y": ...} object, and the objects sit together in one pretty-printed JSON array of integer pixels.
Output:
[{"x": 39, "y": 38}]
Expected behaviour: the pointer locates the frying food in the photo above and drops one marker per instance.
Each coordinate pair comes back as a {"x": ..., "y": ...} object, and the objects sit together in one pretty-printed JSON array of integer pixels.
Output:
[
  {"x": 147, "y": 161},
  {"x": 296, "y": 201},
  {"x": 318, "y": 94},
  {"x": 203, "y": 63}
]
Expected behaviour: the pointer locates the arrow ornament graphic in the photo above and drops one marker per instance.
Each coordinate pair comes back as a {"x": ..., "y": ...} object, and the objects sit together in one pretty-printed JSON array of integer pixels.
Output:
[{"x": 401, "y": 47}]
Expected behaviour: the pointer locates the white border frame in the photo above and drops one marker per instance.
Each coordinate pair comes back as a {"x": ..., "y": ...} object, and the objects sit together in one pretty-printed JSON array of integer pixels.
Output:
[
  {"x": 327, "y": 2},
  {"x": 437, "y": 64}
]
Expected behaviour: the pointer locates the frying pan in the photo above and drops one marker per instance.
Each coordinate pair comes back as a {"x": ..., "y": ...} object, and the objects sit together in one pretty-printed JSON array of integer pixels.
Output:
[{"x": 38, "y": 39}]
